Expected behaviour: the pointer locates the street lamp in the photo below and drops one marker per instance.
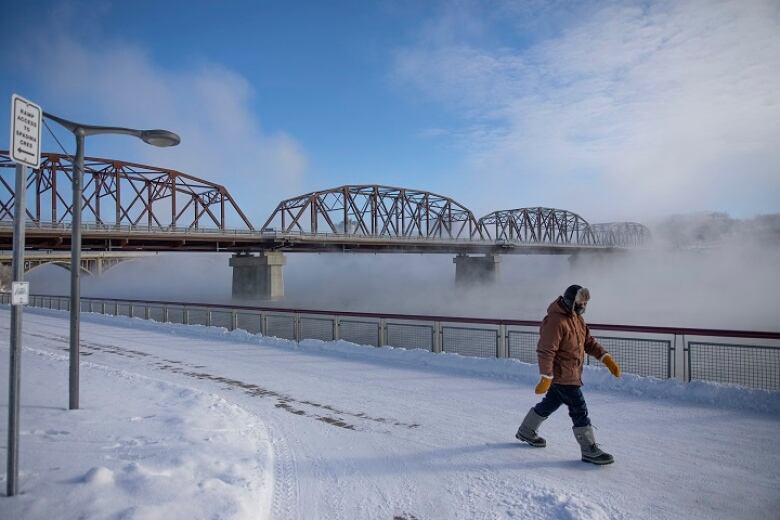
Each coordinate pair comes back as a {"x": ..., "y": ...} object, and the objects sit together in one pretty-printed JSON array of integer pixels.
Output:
[{"x": 81, "y": 131}]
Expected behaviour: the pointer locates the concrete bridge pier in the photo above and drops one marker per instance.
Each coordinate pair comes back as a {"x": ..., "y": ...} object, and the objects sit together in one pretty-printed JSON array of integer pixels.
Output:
[
  {"x": 258, "y": 277},
  {"x": 476, "y": 269}
]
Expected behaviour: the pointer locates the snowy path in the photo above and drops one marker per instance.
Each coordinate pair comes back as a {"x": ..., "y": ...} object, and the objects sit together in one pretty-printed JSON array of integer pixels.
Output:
[{"x": 359, "y": 432}]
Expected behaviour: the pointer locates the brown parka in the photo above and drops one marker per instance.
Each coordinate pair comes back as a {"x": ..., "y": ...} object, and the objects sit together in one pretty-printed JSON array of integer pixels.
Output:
[{"x": 564, "y": 339}]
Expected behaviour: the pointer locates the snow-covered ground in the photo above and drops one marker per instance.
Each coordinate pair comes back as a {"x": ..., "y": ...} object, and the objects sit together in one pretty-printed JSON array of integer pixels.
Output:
[{"x": 194, "y": 422}]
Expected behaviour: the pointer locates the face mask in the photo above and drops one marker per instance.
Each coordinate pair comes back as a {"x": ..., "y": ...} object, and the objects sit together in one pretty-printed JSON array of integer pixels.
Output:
[{"x": 579, "y": 308}]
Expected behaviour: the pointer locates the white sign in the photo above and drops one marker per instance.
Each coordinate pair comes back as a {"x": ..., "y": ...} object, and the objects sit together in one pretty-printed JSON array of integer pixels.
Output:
[
  {"x": 25, "y": 132},
  {"x": 20, "y": 293}
]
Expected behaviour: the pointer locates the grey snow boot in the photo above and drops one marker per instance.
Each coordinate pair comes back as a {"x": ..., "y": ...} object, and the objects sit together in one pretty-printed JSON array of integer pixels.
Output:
[
  {"x": 527, "y": 431},
  {"x": 590, "y": 450}
]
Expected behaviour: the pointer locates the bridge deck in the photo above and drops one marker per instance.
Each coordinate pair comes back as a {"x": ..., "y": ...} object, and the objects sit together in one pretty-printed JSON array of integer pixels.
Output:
[{"x": 127, "y": 238}]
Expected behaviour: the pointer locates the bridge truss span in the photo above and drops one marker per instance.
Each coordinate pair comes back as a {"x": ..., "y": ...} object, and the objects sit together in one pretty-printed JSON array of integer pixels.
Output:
[
  {"x": 621, "y": 234},
  {"x": 119, "y": 193},
  {"x": 375, "y": 211},
  {"x": 538, "y": 226}
]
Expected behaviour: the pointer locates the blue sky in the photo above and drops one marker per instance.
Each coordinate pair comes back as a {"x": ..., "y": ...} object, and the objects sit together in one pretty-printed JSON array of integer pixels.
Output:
[{"x": 615, "y": 110}]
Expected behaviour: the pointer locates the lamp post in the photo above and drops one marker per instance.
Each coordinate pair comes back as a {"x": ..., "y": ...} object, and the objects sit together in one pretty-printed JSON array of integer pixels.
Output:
[{"x": 81, "y": 131}]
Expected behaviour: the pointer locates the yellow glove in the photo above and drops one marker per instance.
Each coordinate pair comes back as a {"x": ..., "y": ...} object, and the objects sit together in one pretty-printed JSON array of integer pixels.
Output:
[
  {"x": 611, "y": 365},
  {"x": 544, "y": 385}
]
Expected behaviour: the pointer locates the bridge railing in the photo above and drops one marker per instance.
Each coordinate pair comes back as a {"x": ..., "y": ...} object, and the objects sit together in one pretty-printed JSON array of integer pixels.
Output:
[
  {"x": 747, "y": 358},
  {"x": 141, "y": 228},
  {"x": 281, "y": 235}
]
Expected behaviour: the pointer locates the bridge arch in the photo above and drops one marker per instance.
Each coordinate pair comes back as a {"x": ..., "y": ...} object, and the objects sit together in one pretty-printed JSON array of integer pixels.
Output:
[
  {"x": 621, "y": 234},
  {"x": 30, "y": 266},
  {"x": 119, "y": 193},
  {"x": 538, "y": 226},
  {"x": 374, "y": 210}
]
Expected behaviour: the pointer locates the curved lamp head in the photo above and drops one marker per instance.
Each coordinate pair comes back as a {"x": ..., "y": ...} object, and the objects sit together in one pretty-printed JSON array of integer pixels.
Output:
[{"x": 160, "y": 137}]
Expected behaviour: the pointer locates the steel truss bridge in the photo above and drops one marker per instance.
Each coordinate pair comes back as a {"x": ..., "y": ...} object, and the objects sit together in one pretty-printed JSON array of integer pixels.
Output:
[{"x": 135, "y": 207}]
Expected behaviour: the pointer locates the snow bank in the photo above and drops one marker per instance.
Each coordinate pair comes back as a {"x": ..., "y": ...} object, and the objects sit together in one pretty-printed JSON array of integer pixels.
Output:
[
  {"x": 139, "y": 449},
  {"x": 595, "y": 378}
]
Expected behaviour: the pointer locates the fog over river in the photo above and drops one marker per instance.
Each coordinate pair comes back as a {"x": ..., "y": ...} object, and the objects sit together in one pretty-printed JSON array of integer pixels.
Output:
[{"x": 721, "y": 287}]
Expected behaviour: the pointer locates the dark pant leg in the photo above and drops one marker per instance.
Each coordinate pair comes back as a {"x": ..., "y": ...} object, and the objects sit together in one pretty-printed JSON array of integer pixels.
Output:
[
  {"x": 571, "y": 396},
  {"x": 549, "y": 403}
]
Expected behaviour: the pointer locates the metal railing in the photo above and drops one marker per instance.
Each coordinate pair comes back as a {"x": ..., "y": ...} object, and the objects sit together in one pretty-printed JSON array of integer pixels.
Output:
[
  {"x": 747, "y": 358},
  {"x": 96, "y": 227}
]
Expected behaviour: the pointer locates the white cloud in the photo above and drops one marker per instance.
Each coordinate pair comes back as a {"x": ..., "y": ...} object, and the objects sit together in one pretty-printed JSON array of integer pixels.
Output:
[
  {"x": 630, "y": 110},
  {"x": 208, "y": 105}
]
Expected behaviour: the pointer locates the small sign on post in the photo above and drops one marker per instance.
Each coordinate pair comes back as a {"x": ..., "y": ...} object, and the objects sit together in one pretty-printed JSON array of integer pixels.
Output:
[
  {"x": 25, "y": 132},
  {"x": 20, "y": 293}
]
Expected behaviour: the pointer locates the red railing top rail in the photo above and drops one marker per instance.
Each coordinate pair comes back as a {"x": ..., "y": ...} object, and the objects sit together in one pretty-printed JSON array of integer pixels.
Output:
[{"x": 686, "y": 331}]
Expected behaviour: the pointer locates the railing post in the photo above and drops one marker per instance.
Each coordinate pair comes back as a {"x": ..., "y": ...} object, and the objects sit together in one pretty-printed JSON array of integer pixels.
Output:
[
  {"x": 437, "y": 337},
  {"x": 185, "y": 315},
  {"x": 130, "y": 312},
  {"x": 147, "y": 312},
  {"x": 263, "y": 324},
  {"x": 502, "y": 346},
  {"x": 208, "y": 317},
  {"x": 679, "y": 358},
  {"x": 233, "y": 320},
  {"x": 382, "y": 333},
  {"x": 297, "y": 327},
  {"x": 165, "y": 314},
  {"x": 336, "y": 328}
]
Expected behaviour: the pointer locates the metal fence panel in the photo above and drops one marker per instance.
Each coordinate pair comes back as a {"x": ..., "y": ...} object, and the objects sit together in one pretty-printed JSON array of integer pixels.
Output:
[
  {"x": 644, "y": 357},
  {"x": 280, "y": 326},
  {"x": 410, "y": 336},
  {"x": 222, "y": 319},
  {"x": 470, "y": 342},
  {"x": 249, "y": 322},
  {"x": 522, "y": 345},
  {"x": 123, "y": 309},
  {"x": 139, "y": 310},
  {"x": 360, "y": 332},
  {"x": 156, "y": 313},
  {"x": 175, "y": 315},
  {"x": 756, "y": 366},
  {"x": 317, "y": 328},
  {"x": 198, "y": 316}
]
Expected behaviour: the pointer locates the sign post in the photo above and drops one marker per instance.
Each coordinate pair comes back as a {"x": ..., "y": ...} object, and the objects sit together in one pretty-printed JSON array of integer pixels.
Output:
[{"x": 25, "y": 151}]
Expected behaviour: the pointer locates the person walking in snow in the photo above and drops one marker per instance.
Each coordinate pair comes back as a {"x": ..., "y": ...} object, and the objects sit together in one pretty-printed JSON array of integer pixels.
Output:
[{"x": 564, "y": 339}]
